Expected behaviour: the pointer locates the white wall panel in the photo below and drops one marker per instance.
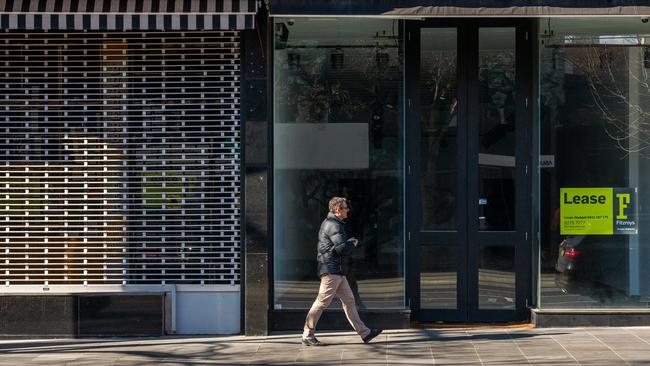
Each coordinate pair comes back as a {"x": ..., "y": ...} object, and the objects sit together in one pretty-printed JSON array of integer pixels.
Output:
[{"x": 208, "y": 312}]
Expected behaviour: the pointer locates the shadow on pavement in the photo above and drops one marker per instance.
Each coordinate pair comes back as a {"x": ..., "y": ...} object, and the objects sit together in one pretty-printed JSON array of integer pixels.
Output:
[{"x": 184, "y": 350}]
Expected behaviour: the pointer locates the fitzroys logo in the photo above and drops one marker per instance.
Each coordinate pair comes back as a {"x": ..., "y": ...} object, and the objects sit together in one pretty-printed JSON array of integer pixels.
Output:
[{"x": 625, "y": 209}]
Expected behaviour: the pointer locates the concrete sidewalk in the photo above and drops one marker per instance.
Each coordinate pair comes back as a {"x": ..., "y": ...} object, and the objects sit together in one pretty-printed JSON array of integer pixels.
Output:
[{"x": 456, "y": 346}]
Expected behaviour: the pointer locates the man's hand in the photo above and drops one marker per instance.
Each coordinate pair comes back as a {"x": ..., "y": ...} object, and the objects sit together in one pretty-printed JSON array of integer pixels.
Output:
[{"x": 355, "y": 241}]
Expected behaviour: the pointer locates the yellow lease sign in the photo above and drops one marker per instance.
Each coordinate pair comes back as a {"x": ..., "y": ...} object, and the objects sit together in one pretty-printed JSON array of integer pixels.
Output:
[{"x": 586, "y": 211}]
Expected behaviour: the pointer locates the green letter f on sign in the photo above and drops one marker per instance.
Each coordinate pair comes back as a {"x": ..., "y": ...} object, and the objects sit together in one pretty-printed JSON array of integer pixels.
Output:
[{"x": 623, "y": 201}]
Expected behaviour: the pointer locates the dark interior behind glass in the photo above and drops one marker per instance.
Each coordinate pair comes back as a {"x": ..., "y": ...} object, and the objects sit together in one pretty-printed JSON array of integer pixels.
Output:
[
  {"x": 593, "y": 116},
  {"x": 338, "y": 131}
]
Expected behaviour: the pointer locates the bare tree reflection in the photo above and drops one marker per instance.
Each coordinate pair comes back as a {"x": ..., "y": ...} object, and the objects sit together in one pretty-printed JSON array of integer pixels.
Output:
[
  {"x": 611, "y": 71},
  {"x": 438, "y": 86}
]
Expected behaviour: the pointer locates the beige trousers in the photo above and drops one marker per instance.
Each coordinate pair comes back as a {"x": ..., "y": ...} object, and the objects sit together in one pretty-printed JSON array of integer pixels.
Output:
[{"x": 331, "y": 285}]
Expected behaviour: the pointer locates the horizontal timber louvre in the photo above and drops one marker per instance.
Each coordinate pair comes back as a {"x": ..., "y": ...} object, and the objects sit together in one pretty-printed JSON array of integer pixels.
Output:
[{"x": 120, "y": 158}]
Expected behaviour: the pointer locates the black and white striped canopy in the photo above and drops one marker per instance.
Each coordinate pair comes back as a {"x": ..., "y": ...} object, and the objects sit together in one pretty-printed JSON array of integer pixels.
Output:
[{"x": 127, "y": 14}]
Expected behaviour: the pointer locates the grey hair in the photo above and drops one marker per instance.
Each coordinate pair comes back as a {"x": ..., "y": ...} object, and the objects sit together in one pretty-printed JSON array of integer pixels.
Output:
[{"x": 336, "y": 202}]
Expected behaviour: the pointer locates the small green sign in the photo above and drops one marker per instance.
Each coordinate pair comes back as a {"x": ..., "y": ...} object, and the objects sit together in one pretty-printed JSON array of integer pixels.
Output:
[{"x": 598, "y": 211}]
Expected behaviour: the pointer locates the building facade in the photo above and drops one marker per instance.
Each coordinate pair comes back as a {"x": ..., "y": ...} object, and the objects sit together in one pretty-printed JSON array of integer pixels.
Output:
[
  {"x": 166, "y": 164},
  {"x": 493, "y": 156}
]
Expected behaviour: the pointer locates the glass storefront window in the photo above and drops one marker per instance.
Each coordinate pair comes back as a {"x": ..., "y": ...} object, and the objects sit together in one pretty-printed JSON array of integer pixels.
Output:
[
  {"x": 594, "y": 136},
  {"x": 338, "y": 131}
]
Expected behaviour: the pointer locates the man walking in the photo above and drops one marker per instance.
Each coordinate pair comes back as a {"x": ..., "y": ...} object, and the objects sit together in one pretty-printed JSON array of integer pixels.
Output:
[{"x": 334, "y": 248}]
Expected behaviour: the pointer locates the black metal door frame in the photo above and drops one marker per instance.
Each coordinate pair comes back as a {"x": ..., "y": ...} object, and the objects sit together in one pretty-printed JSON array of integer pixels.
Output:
[{"x": 467, "y": 236}]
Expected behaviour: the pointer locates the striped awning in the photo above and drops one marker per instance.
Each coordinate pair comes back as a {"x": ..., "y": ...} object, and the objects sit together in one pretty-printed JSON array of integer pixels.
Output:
[{"x": 102, "y": 15}]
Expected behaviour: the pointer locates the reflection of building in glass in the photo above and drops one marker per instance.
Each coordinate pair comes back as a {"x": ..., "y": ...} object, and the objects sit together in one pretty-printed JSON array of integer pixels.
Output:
[
  {"x": 338, "y": 131},
  {"x": 596, "y": 96}
]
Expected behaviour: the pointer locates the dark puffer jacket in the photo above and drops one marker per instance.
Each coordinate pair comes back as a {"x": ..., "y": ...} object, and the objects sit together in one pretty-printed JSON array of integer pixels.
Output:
[{"x": 333, "y": 247}]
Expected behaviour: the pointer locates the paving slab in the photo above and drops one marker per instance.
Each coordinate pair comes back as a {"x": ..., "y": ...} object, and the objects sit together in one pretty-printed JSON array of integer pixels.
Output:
[{"x": 437, "y": 346}]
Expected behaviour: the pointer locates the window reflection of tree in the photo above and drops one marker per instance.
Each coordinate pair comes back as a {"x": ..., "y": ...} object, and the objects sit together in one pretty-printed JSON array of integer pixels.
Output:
[
  {"x": 438, "y": 131},
  {"x": 609, "y": 69},
  {"x": 595, "y": 119}
]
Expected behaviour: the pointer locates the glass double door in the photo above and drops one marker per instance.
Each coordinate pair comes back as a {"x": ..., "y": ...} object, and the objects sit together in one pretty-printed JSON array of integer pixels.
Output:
[{"x": 469, "y": 223}]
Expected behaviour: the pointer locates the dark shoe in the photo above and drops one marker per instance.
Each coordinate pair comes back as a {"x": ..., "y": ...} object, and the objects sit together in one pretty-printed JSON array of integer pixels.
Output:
[
  {"x": 312, "y": 342},
  {"x": 373, "y": 333}
]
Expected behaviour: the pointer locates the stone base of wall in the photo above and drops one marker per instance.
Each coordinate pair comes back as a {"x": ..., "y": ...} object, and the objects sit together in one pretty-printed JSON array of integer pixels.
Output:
[
  {"x": 590, "y": 318},
  {"x": 78, "y": 315}
]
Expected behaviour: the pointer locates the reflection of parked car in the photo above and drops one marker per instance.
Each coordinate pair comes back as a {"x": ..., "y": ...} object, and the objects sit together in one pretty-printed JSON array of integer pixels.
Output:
[{"x": 594, "y": 265}]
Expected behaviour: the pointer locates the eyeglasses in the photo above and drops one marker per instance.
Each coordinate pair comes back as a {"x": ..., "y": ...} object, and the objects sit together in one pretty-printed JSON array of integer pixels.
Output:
[{"x": 345, "y": 208}]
